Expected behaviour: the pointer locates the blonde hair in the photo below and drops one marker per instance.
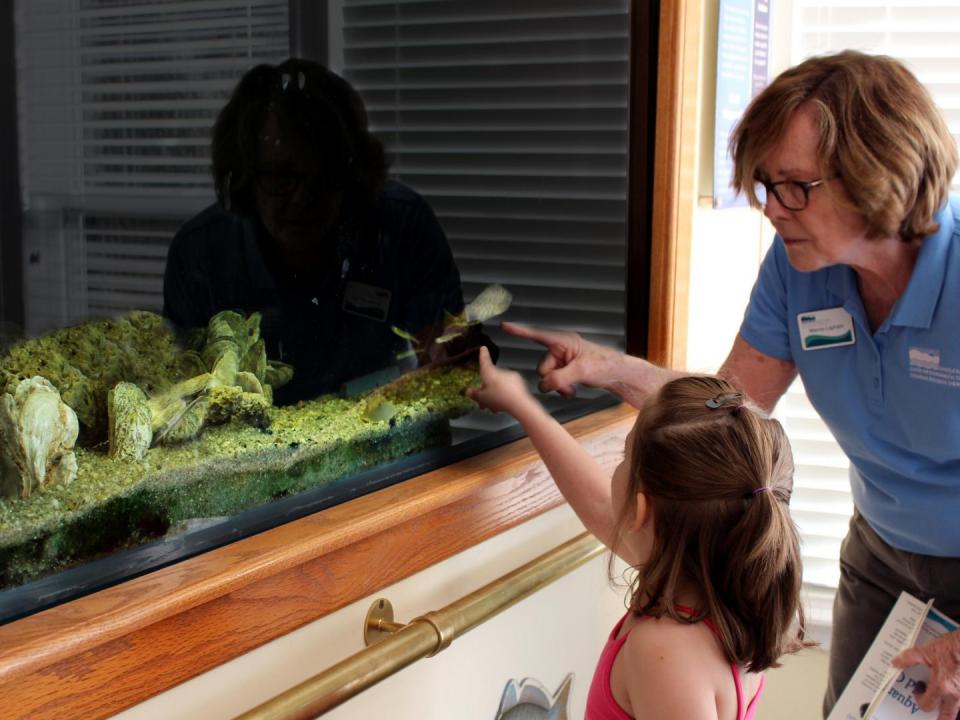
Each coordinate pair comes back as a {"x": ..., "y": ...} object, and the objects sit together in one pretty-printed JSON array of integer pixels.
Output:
[
  {"x": 880, "y": 135},
  {"x": 719, "y": 482}
]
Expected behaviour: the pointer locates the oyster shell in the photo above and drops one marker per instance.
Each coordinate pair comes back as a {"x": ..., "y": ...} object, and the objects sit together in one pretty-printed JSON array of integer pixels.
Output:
[
  {"x": 129, "y": 417},
  {"x": 37, "y": 435},
  {"x": 128, "y": 381}
]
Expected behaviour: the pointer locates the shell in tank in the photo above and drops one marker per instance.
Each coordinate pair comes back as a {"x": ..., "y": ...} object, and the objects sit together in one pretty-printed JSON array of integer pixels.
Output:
[
  {"x": 130, "y": 431},
  {"x": 38, "y": 432}
]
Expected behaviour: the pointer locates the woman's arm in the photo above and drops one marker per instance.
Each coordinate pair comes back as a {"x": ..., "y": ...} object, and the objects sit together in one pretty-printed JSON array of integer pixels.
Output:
[
  {"x": 764, "y": 379},
  {"x": 570, "y": 360}
]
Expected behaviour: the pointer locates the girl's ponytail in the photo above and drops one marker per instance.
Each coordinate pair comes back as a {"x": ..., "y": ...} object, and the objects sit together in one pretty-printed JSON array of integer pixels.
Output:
[{"x": 719, "y": 475}]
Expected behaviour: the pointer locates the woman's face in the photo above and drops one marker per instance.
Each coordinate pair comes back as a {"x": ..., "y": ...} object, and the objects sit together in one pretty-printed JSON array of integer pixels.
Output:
[
  {"x": 828, "y": 231},
  {"x": 294, "y": 200}
]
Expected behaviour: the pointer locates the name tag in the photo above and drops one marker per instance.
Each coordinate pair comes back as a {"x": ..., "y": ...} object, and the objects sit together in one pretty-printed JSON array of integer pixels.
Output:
[
  {"x": 828, "y": 328},
  {"x": 367, "y": 301}
]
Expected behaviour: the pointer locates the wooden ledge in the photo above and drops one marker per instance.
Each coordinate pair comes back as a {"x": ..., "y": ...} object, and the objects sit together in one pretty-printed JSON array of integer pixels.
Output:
[{"x": 107, "y": 651}]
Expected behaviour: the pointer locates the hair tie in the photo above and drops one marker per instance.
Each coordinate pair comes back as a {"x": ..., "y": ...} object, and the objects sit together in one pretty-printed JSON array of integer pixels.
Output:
[
  {"x": 735, "y": 411},
  {"x": 765, "y": 488}
]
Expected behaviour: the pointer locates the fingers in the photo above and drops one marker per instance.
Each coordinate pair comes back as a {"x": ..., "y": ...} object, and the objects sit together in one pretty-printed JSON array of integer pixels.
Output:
[
  {"x": 567, "y": 392},
  {"x": 547, "y": 338},
  {"x": 562, "y": 380},
  {"x": 941, "y": 693},
  {"x": 907, "y": 658},
  {"x": 934, "y": 699},
  {"x": 547, "y": 365},
  {"x": 555, "y": 376},
  {"x": 484, "y": 358},
  {"x": 929, "y": 700},
  {"x": 949, "y": 710}
]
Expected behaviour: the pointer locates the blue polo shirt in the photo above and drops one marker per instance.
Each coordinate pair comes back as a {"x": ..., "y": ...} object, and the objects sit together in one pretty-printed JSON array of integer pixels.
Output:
[{"x": 891, "y": 397}]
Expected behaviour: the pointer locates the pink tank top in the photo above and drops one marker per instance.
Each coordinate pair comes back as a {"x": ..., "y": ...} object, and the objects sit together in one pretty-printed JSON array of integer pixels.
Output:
[{"x": 601, "y": 704}]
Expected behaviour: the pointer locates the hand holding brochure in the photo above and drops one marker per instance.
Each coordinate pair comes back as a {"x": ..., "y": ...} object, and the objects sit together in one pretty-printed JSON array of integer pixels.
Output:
[{"x": 877, "y": 690}]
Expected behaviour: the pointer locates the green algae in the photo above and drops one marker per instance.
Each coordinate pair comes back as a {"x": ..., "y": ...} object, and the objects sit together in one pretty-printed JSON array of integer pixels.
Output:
[
  {"x": 86, "y": 361},
  {"x": 115, "y": 503}
]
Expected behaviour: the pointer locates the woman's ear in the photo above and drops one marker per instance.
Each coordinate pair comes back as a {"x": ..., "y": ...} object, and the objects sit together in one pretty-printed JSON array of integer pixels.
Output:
[{"x": 642, "y": 514}]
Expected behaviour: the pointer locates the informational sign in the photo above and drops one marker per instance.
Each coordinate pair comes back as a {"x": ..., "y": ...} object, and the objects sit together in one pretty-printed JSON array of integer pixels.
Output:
[{"x": 743, "y": 63}]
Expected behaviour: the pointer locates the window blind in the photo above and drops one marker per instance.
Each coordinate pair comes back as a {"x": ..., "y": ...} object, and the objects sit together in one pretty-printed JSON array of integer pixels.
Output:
[
  {"x": 511, "y": 120},
  {"x": 821, "y": 503},
  {"x": 926, "y": 37},
  {"x": 116, "y": 99}
]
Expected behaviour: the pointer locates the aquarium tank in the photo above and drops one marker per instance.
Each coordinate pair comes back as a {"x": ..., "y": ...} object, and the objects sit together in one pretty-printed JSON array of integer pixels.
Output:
[{"x": 236, "y": 289}]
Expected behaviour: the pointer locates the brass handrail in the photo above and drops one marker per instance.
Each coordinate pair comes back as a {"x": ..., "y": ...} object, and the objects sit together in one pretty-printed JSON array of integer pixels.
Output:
[{"x": 424, "y": 636}]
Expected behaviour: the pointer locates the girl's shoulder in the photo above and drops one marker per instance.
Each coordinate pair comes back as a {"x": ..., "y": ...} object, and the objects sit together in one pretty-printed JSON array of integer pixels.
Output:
[
  {"x": 671, "y": 669},
  {"x": 675, "y": 641}
]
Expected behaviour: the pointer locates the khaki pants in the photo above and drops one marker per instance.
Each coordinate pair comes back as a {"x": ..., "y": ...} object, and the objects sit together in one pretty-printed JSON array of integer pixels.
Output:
[{"x": 872, "y": 574}]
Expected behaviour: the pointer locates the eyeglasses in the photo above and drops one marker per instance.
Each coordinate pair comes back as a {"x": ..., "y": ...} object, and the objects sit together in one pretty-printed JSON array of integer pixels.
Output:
[
  {"x": 791, "y": 194},
  {"x": 285, "y": 184}
]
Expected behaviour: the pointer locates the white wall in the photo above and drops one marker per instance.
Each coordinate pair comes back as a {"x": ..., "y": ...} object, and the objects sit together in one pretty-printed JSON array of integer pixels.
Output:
[
  {"x": 795, "y": 690},
  {"x": 557, "y": 631},
  {"x": 726, "y": 249}
]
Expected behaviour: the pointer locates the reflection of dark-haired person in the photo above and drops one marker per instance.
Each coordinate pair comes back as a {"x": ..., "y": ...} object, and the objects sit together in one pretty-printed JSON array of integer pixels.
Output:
[{"x": 309, "y": 232}]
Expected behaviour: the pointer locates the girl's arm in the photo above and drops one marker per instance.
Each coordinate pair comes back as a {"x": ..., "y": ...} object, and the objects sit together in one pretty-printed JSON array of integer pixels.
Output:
[{"x": 579, "y": 478}]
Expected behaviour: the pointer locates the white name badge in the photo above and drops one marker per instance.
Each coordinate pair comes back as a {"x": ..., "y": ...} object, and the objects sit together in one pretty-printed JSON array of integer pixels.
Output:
[
  {"x": 829, "y": 328},
  {"x": 366, "y": 301}
]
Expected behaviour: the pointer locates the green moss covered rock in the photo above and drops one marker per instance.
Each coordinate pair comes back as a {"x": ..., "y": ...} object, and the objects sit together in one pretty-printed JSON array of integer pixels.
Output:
[{"x": 115, "y": 503}]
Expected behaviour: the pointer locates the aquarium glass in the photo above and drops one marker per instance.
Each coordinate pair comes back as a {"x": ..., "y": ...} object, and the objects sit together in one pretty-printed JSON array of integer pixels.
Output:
[{"x": 162, "y": 397}]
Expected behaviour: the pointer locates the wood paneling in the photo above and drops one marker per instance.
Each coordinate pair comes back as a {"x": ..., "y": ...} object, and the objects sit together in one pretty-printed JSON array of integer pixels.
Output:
[
  {"x": 675, "y": 166},
  {"x": 102, "y": 653}
]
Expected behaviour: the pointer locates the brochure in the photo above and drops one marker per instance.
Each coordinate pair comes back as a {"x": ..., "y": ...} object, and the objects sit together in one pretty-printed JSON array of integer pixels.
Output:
[{"x": 877, "y": 690}]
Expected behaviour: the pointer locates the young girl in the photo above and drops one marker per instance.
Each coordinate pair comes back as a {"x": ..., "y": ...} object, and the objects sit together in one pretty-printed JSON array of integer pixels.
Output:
[{"x": 699, "y": 508}]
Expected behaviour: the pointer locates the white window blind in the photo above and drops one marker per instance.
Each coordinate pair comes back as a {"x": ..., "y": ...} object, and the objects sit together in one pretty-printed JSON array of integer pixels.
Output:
[
  {"x": 116, "y": 99},
  {"x": 821, "y": 504},
  {"x": 923, "y": 35},
  {"x": 926, "y": 37},
  {"x": 511, "y": 119}
]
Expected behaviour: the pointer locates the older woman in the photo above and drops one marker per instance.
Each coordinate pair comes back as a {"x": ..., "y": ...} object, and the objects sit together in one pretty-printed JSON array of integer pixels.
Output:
[{"x": 860, "y": 295}]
